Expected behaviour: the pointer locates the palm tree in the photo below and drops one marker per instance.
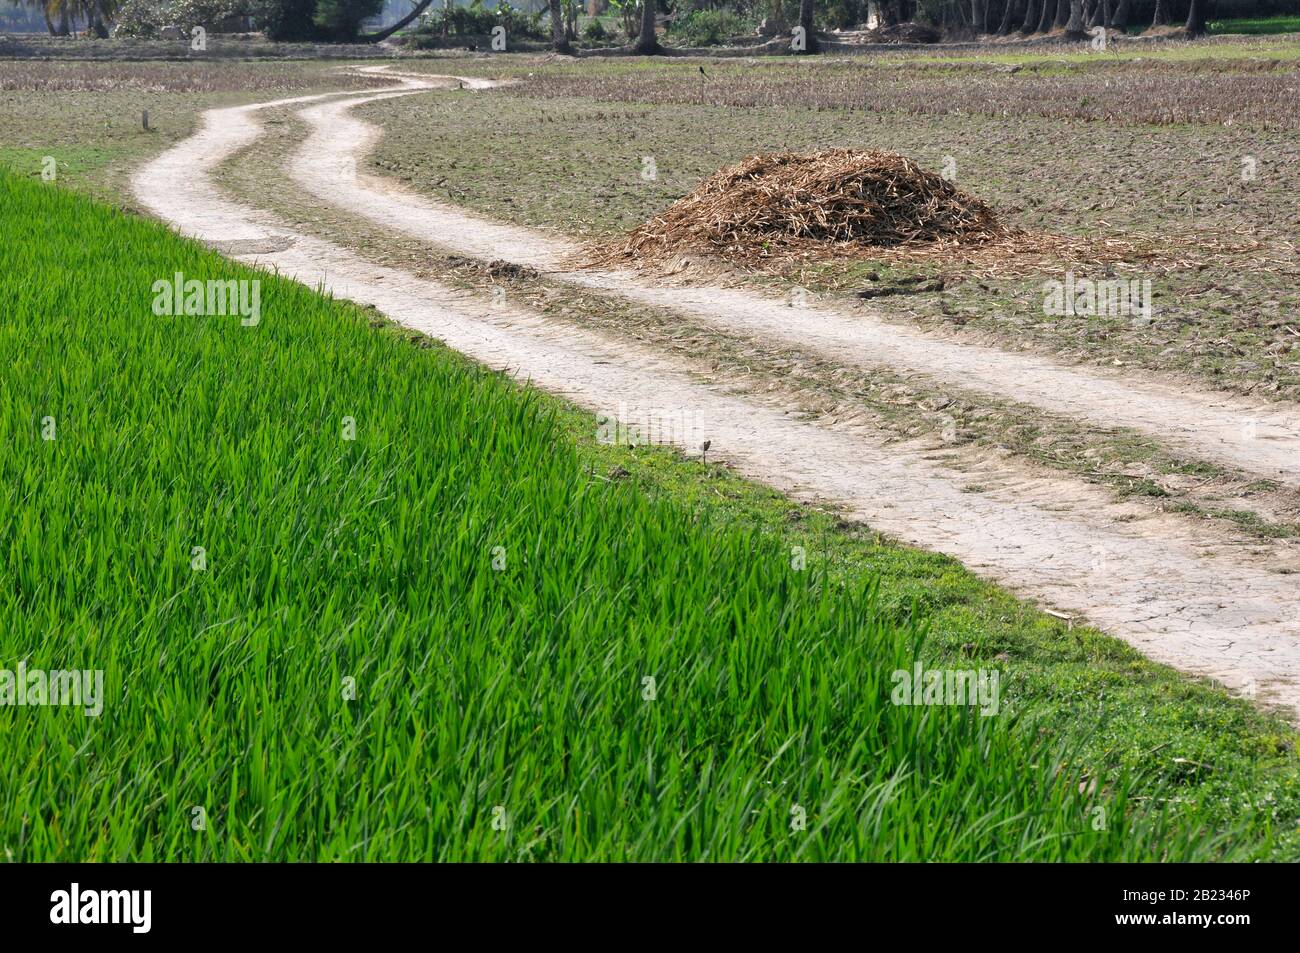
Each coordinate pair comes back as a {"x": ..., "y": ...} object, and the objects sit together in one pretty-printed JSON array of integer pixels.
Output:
[
  {"x": 1074, "y": 29},
  {"x": 647, "y": 44},
  {"x": 559, "y": 35},
  {"x": 97, "y": 14},
  {"x": 806, "y": 21},
  {"x": 45, "y": 12},
  {"x": 1008, "y": 12},
  {"x": 1031, "y": 18},
  {"x": 1195, "y": 25},
  {"x": 1161, "y": 15},
  {"x": 1120, "y": 20},
  {"x": 571, "y": 10},
  {"x": 1045, "y": 21},
  {"x": 51, "y": 9}
]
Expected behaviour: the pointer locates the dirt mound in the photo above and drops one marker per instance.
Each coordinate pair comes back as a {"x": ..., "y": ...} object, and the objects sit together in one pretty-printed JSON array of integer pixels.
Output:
[{"x": 836, "y": 201}]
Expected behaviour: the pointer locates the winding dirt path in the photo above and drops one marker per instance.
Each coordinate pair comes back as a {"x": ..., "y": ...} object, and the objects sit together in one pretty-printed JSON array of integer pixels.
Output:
[
  {"x": 1255, "y": 437},
  {"x": 1207, "y": 606}
]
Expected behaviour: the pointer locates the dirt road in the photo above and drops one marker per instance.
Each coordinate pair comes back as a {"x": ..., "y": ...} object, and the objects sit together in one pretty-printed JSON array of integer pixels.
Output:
[
  {"x": 1195, "y": 598},
  {"x": 1256, "y": 437}
]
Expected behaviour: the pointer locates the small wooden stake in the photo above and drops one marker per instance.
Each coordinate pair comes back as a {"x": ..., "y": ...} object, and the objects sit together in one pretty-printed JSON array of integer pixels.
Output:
[{"x": 144, "y": 120}]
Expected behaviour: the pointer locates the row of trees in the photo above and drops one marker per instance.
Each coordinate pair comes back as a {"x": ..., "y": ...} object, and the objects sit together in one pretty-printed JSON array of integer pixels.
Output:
[
  {"x": 342, "y": 19},
  {"x": 62, "y": 15},
  {"x": 647, "y": 41},
  {"x": 306, "y": 20},
  {"x": 1027, "y": 17},
  {"x": 986, "y": 15},
  {"x": 1075, "y": 18}
]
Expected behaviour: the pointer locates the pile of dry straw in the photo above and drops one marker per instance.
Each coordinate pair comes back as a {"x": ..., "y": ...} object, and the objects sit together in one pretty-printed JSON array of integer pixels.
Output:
[{"x": 787, "y": 203}]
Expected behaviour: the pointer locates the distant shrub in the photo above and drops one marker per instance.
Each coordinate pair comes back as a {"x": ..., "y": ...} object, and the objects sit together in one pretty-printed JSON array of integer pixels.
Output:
[
  {"x": 286, "y": 20},
  {"x": 706, "y": 28},
  {"x": 478, "y": 20},
  {"x": 138, "y": 18},
  {"x": 146, "y": 18},
  {"x": 473, "y": 20},
  {"x": 341, "y": 19}
]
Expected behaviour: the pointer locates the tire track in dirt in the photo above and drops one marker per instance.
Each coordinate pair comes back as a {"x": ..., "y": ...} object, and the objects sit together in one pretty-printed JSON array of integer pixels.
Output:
[
  {"x": 1208, "y": 607},
  {"x": 1255, "y": 437}
]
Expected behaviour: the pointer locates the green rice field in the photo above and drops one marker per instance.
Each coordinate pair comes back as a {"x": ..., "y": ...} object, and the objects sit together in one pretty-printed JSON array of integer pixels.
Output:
[{"x": 357, "y": 599}]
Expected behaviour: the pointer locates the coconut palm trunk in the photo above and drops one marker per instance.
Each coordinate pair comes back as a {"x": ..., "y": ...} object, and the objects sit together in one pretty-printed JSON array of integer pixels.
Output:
[
  {"x": 1161, "y": 15},
  {"x": 1045, "y": 21},
  {"x": 1074, "y": 28},
  {"x": 1062, "y": 14},
  {"x": 1008, "y": 13},
  {"x": 647, "y": 44},
  {"x": 1045, "y": 16},
  {"x": 1031, "y": 17},
  {"x": 559, "y": 37},
  {"x": 806, "y": 21},
  {"x": 1195, "y": 25},
  {"x": 93, "y": 11}
]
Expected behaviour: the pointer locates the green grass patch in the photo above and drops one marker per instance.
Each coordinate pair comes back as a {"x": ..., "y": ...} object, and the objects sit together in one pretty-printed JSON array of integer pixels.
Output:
[
  {"x": 1173, "y": 53},
  {"x": 499, "y": 602},
  {"x": 1258, "y": 26}
]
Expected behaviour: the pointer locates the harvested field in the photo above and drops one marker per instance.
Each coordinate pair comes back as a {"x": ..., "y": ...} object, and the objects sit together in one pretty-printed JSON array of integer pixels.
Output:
[
  {"x": 208, "y": 77},
  {"x": 1125, "y": 92},
  {"x": 1120, "y": 199},
  {"x": 231, "y": 47}
]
